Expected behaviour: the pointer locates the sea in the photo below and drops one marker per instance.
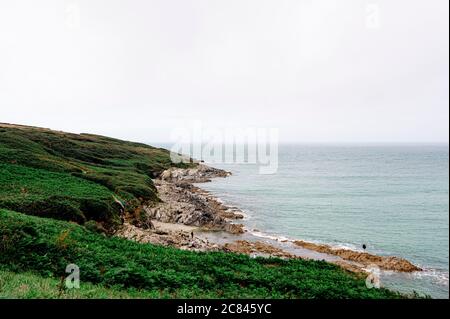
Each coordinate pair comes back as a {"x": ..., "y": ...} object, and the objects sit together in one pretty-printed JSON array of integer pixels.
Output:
[{"x": 393, "y": 198}]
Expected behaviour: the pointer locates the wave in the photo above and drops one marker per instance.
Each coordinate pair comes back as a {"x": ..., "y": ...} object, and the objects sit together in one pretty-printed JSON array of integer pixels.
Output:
[
  {"x": 278, "y": 237},
  {"x": 260, "y": 234},
  {"x": 439, "y": 276}
]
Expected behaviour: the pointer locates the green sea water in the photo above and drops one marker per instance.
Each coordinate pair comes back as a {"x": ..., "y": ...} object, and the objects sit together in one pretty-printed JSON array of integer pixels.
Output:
[{"x": 393, "y": 198}]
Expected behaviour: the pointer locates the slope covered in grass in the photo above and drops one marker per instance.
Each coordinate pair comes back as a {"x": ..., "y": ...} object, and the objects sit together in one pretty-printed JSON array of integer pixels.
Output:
[
  {"x": 54, "y": 194},
  {"x": 45, "y": 246},
  {"x": 31, "y": 286},
  {"x": 75, "y": 177}
]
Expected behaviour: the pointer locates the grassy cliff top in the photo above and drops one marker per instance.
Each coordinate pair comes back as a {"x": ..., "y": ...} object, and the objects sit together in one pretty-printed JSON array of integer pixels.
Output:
[{"x": 76, "y": 177}]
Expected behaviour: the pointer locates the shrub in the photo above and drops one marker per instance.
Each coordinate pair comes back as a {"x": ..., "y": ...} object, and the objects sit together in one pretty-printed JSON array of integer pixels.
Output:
[
  {"x": 122, "y": 263},
  {"x": 52, "y": 207},
  {"x": 139, "y": 191},
  {"x": 95, "y": 227}
]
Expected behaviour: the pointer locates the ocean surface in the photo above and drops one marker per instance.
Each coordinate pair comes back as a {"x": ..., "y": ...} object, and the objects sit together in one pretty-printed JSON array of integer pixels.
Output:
[{"x": 393, "y": 198}]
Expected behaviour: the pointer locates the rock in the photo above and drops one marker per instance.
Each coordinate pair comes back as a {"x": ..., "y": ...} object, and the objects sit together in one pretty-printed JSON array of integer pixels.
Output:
[
  {"x": 366, "y": 259},
  {"x": 199, "y": 174},
  {"x": 255, "y": 249},
  {"x": 184, "y": 203},
  {"x": 176, "y": 239},
  {"x": 140, "y": 218},
  {"x": 234, "y": 228}
]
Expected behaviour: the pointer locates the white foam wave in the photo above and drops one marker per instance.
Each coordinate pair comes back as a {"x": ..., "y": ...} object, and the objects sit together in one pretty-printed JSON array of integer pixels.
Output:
[
  {"x": 439, "y": 276},
  {"x": 281, "y": 238}
]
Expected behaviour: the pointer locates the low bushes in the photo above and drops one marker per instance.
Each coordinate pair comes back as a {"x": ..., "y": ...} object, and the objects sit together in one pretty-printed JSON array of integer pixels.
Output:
[
  {"x": 74, "y": 177},
  {"x": 46, "y": 246}
]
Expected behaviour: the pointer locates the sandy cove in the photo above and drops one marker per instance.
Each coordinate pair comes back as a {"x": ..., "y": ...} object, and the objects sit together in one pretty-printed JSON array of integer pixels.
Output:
[{"x": 186, "y": 213}]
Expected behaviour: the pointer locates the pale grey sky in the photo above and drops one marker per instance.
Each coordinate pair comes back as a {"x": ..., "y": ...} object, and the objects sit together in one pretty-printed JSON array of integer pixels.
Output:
[{"x": 319, "y": 70}]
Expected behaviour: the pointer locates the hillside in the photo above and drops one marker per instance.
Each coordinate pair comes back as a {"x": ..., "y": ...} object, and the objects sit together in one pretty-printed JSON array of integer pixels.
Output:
[
  {"x": 44, "y": 247},
  {"x": 61, "y": 193},
  {"x": 76, "y": 177}
]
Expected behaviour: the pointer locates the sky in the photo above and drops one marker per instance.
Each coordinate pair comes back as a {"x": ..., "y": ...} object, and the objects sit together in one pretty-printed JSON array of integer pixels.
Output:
[{"x": 316, "y": 70}]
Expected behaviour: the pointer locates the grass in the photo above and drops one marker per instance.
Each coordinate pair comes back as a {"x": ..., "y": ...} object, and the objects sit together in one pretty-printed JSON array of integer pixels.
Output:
[
  {"x": 74, "y": 176},
  {"x": 44, "y": 247},
  {"x": 31, "y": 286},
  {"x": 53, "y": 194}
]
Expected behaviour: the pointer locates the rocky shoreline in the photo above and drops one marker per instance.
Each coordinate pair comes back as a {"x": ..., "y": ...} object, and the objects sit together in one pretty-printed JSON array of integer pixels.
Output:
[
  {"x": 186, "y": 211},
  {"x": 184, "y": 203}
]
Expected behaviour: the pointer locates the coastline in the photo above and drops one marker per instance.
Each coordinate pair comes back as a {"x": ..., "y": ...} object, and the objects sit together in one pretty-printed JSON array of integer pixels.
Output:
[
  {"x": 191, "y": 218},
  {"x": 146, "y": 199}
]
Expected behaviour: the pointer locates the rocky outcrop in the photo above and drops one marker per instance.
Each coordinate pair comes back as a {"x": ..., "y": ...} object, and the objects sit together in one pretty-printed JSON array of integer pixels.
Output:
[
  {"x": 184, "y": 203},
  {"x": 199, "y": 174},
  {"x": 365, "y": 259},
  {"x": 183, "y": 208},
  {"x": 256, "y": 248},
  {"x": 166, "y": 237}
]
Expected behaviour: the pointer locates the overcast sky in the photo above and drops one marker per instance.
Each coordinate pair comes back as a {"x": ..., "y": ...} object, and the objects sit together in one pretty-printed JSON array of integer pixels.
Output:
[{"x": 319, "y": 70}]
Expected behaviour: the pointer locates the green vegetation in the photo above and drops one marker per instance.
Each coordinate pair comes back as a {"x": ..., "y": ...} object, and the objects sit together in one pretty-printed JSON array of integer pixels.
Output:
[
  {"x": 76, "y": 177},
  {"x": 29, "y": 285},
  {"x": 44, "y": 247},
  {"x": 60, "y": 193},
  {"x": 57, "y": 195}
]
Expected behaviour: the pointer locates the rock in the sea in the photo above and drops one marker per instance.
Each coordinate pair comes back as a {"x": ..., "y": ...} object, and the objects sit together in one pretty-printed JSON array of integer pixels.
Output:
[{"x": 366, "y": 259}]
